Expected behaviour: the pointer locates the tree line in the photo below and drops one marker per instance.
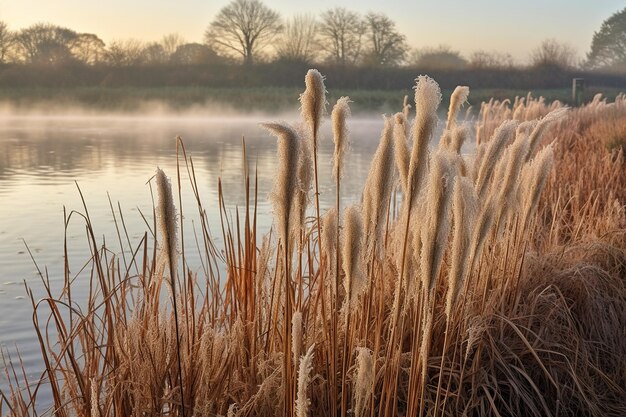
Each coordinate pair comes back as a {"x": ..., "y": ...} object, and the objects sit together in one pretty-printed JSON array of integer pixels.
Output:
[{"x": 249, "y": 32}]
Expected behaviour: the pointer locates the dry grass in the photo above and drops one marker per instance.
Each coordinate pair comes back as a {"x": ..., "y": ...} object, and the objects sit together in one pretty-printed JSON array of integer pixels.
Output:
[{"x": 483, "y": 296}]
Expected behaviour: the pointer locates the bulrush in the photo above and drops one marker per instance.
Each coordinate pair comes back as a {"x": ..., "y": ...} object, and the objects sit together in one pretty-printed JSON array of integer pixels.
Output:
[
  {"x": 341, "y": 111},
  {"x": 351, "y": 254},
  {"x": 286, "y": 183},
  {"x": 377, "y": 190},
  {"x": 166, "y": 217}
]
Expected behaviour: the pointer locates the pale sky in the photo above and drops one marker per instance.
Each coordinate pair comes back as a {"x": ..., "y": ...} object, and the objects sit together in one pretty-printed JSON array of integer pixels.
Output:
[{"x": 516, "y": 27}]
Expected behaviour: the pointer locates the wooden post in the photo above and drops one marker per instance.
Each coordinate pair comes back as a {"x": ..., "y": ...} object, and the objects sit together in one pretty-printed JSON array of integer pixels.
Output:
[{"x": 578, "y": 89}]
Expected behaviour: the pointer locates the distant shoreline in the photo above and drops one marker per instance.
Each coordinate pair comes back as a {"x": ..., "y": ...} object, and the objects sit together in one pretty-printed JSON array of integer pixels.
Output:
[{"x": 236, "y": 100}]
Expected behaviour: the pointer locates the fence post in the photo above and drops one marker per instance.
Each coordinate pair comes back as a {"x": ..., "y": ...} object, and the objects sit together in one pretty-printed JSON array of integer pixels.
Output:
[{"x": 578, "y": 89}]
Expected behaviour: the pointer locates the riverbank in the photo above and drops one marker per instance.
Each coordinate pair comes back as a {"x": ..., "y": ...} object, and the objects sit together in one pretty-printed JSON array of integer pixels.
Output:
[{"x": 237, "y": 100}]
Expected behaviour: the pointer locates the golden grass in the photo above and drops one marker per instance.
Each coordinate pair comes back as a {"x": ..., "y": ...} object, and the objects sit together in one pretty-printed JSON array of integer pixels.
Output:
[{"x": 482, "y": 296}]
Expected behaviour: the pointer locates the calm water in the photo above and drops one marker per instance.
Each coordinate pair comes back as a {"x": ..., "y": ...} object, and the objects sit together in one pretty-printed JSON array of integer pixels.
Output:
[{"x": 42, "y": 159}]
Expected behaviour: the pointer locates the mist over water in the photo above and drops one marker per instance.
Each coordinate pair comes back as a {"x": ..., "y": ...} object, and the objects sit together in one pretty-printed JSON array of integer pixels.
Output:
[{"x": 44, "y": 158}]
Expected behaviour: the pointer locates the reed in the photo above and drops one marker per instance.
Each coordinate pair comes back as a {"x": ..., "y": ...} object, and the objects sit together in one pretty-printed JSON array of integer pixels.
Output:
[{"x": 496, "y": 289}]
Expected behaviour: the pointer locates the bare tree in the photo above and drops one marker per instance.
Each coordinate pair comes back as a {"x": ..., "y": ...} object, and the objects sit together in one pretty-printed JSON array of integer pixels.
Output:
[
  {"x": 482, "y": 59},
  {"x": 244, "y": 27},
  {"x": 552, "y": 53},
  {"x": 297, "y": 42},
  {"x": 88, "y": 48},
  {"x": 341, "y": 32},
  {"x": 44, "y": 43},
  {"x": 386, "y": 46},
  {"x": 126, "y": 52},
  {"x": 7, "y": 39},
  {"x": 171, "y": 42}
]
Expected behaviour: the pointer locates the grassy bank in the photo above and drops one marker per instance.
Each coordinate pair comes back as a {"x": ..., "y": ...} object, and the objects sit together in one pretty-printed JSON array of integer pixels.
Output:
[{"x": 253, "y": 99}]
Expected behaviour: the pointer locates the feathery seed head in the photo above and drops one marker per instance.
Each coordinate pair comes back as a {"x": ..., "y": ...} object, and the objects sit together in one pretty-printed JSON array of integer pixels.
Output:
[
  {"x": 313, "y": 101},
  {"x": 304, "y": 379},
  {"x": 364, "y": 383},
  {"x": 341, "y": 111},
  {"x": 166, "y": 217},
  {"x": 351, "y": 253},
  {"x": 286, "y": 182},
  {"x": 457, "y": 99}
]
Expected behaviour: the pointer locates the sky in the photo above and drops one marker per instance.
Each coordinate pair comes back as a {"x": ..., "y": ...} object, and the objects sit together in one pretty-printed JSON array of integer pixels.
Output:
[{"x": 515, "y": 27}]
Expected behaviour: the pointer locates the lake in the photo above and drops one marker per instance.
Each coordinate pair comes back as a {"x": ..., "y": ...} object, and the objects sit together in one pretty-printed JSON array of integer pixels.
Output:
[{"x": 44, "y": 159}]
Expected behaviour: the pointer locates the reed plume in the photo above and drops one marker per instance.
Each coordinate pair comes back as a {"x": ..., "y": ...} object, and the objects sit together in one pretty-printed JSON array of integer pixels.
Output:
[
  {"x": 303, "y": 402},
  {"x": 364, "y": 383},
  {"x": 402, "y": 153},
  {"x": 491, "y": 156},
  {"x": 437, "y": 226},
  {"x": 457, "y": 99},
  {"x": 286, "y": 182},
  {"x": 305, "y": 178},
  {"x": 313, "y": 102},
  {"x": 296, "y": 336},
  {"x": 464, "y": 207},
  {"x": 351, "y": 254},
  {"x": 339, "y": 115},
  {"x": 377, "y": 189},
  {"x": 534, "y": 176},
  {"x": 427, "y": 99},
  {"x": 542, "y": 126}
]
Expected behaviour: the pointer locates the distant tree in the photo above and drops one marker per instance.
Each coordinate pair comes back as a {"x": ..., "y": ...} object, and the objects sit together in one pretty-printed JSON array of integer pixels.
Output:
[
  {"x": 7, "y": 40},
  {"x": 485, "y": 59},
  {"x": 44, "y": 43},
  {"x": 297, "y": 42},
  {"x": 194, "y": 54},
  {"x": 88, "y": 48},
  {"x": 552, "y": 53},
  {"x": 442, "y": 57},
  {"x": 385, "y": 45},
  {"x": 608, "y": 46},
  {"x": 122, "y": 53},
  {"x": 171, "y": 42},
  {"x": 154, "y": 54},
  {"x": 244, "y": 27},
  {"x": 341, "y": 34}
]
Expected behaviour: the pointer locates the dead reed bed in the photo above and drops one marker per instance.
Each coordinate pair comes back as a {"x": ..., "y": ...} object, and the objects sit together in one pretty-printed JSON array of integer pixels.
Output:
[{"x": 496, "y": 288}]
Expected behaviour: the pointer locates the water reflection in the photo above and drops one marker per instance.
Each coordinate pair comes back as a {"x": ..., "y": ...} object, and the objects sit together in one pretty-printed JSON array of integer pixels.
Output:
[{"x": 41, "y": 158}]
